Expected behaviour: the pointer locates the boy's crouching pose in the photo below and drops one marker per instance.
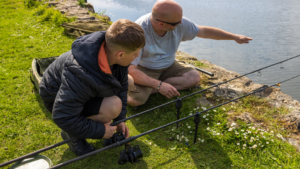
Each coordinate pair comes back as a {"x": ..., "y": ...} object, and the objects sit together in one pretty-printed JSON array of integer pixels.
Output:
[{"x": 86, "y": 87}]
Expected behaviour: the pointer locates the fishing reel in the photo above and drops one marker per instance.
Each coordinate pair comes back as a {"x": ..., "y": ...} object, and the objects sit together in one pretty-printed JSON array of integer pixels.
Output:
[
  {"x": 130, "y": 154},
  {"x": 118, "y": 136}
]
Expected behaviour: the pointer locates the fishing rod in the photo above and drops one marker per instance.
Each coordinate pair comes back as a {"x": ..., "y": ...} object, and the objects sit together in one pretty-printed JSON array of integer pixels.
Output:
[
  {"x": 36, "y": 152},
  {"x": 158, "y": 128},
  {"x": 178, "y": 106},
  {"x": 179, "y": 100}
]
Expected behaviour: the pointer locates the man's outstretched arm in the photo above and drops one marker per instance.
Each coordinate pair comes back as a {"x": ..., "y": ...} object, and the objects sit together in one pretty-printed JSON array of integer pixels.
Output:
[{"x": 219, "y": 34}]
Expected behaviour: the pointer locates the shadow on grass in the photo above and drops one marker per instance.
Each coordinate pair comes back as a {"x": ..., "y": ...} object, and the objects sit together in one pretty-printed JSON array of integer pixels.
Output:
[
  {"x": 106, "y": 159},
  {"x": 47, "y": 114},
  {"x": 207, "y": 154}
]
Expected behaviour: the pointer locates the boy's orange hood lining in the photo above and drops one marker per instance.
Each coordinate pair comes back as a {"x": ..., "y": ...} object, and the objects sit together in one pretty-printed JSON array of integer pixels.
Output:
[{"x": 102, "y": 60}]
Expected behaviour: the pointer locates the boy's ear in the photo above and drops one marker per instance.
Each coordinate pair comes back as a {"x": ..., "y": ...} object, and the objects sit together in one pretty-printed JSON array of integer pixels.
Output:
[{"x": 120, "y": 54}]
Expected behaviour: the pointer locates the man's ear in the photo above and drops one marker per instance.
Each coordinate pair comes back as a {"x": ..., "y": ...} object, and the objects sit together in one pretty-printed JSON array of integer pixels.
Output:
[{"x": 160, "y": 24}]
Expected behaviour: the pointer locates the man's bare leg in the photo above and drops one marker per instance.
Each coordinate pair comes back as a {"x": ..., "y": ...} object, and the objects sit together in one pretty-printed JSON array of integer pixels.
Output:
[{"x": 185, "y": 81}]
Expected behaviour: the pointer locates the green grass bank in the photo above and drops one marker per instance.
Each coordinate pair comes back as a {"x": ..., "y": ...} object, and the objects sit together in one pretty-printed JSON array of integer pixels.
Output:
[{"x": 26, "y": 126}]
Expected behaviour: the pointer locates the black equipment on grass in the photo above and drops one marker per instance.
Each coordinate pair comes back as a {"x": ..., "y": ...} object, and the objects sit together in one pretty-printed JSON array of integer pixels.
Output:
[
  {"x": 178, "y": 106},
  {"x": 150, "y": 131},
  {"x": 118, "y": 136},
  {"x": 258, "y": 70},
  {"x": 130, "y": 154}
]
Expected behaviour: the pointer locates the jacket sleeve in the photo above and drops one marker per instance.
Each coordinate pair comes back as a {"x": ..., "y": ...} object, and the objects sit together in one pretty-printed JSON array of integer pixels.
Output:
[
  {"x": 123, "y": 96},
  {"x": 68, "y": 105}
]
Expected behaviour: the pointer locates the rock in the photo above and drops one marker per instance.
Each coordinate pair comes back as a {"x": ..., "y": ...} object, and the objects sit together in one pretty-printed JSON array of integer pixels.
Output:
[
  {"x": 202, "y": 102},
  {"x": 185, "y": 56},
  {"x": 90, "y": 7},
  {"x": 105, "y": 17},
  {"x": 246, "y": 117},
  {"x": 52, "y": 3},
  {"x": 294, "y": 142}
]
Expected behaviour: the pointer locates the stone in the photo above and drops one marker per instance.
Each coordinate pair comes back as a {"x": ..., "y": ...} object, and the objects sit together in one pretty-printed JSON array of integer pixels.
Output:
[{"x": 202, "y": 102}]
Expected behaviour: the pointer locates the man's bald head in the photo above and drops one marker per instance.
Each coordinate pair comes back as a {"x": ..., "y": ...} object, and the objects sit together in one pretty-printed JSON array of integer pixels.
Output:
[{"x": 167, "y": 10}]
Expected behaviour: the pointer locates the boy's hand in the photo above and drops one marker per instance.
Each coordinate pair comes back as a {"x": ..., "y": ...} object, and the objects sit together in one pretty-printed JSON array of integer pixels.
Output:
[
  {"x": 109, "y": 130},
  {"x": 122, "y": 126}
]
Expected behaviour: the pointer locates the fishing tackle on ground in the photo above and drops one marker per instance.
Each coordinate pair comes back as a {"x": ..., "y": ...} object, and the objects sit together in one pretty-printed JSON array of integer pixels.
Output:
[
  {"x": 69, "y": 140},
  {"x": 258, "y": 70},
  {"x": 158, "y": 128}
]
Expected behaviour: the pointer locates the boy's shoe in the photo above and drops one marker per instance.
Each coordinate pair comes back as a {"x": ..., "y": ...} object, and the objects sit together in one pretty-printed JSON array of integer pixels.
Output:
[{"x": 79, "y": 146}]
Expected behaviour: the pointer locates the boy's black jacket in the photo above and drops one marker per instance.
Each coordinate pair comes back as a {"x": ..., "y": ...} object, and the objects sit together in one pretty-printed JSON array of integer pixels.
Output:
[{"x": 74, "y": 78}]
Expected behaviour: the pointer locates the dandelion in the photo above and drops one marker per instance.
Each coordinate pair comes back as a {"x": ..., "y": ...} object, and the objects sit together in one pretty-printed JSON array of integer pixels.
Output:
[
  {"x": 238, "y": 144},
  {"x": 207, "y": 128}
]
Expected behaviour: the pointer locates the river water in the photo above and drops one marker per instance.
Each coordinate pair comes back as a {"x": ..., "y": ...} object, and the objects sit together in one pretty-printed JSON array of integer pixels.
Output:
[{"x": 274, "y": 26}]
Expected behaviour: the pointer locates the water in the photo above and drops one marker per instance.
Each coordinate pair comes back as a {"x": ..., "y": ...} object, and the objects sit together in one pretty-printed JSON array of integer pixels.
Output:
[{"x": 273, "y": 24}]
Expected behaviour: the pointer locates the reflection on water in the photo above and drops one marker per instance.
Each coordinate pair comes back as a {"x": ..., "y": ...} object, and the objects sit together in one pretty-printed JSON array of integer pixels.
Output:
[{"x": 273, "y": 24}]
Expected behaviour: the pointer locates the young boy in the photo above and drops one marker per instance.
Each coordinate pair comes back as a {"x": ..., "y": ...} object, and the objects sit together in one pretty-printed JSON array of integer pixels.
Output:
[{"x": 86, "y": 87}]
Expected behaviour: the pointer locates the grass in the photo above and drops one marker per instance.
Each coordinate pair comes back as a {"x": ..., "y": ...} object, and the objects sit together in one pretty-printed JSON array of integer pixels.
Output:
[{"x": 26, "y": 126}]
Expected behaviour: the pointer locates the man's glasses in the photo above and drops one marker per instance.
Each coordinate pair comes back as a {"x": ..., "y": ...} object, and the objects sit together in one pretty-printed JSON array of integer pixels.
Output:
[{"x": 173, "y": 24}]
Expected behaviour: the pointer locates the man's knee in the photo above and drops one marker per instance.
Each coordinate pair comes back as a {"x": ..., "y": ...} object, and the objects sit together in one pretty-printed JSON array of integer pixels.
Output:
[
  {"x": 130, "y": 83},
  {"x": 111, "y": 107},
  {"x": 133, "y": 102},
  {"x": 193, "y": 77}
]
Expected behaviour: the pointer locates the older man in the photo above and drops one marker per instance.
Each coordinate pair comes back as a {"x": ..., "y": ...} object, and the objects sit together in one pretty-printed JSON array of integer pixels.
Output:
[{"x": 155, "y": 70}]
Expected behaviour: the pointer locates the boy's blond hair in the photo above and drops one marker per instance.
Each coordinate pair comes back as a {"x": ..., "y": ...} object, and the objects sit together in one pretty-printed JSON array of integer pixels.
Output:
[{"x": 125, "y": 34}]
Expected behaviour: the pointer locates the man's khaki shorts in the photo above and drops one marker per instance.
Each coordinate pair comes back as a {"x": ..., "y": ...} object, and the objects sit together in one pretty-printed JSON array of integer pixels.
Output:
[{"x": 142, "y": 93}]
